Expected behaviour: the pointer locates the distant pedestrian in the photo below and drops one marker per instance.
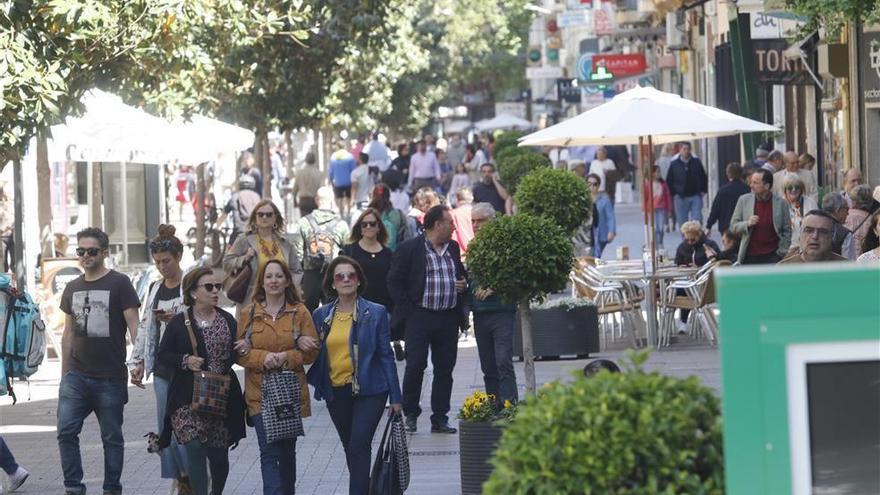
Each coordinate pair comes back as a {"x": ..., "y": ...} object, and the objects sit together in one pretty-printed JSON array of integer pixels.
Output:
[
  {"x": 279, "y": 336},
  {"x": 361, "y": 183},
  {"x": 316, "y": 241},
  {"x": 763, "y": 221},
  {"x": 355, "y": 371},
  {"x": 248, "y": 167},
  {"x": 851, "y": 178},
  {"x": 726, "y": 198},
  {"x": 17, "y": 475},
  {"x": 393, "y": 218},
  {"x": 266, "y": 239},
  {"x": 202, "y": 339},
  {"x": 494, "y": 323},
  {"x": 474, "y": 159},
  {"x": 401, "y": 162},
  {"x": 793, "y": 170},
  {"x": 774, "y": 162},
  {"x": 662, "y": 204},
  {"x": 761, "y": 155},
  {"x": 378, "y": 153},
  {"x": 427, "y": 282},
  {"x": 456, "y": 151},
  {"x": 857, "y": 219},
  {"x": 461, "y": 220},
  {"x": 99, "y": 306},
  {"x": 459, "y": 180},
  {"x": 489, "y": 189},
  {"x": 308, "y": 179},
  {"x": 164, "y": 301},
  {"x": 240, "y": 206},
  {"x": 842, "y": 239},
  {"x": 601, "y": 165},
  {"x": 604, "y": 225},
  {"x": 688, "y": 182},
  {"x": 424, "y": 169},
  {"x": 342, "y": 164}
]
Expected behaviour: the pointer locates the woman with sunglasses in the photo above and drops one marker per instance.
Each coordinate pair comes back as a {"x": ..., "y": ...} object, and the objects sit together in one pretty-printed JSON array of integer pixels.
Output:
[
  {"x": 164, "y": 301},
  {"x": 265, "y": 240},
  {"x": 282, "y": 336},
  {"x": 799, "y": 204},
  {"x": 206, "y": 438},
  {"x": 355, "y": 371}
]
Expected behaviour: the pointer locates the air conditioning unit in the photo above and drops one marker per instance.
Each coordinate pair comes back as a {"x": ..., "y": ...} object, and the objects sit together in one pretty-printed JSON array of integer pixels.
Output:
[{"x": 677, "y": 31}]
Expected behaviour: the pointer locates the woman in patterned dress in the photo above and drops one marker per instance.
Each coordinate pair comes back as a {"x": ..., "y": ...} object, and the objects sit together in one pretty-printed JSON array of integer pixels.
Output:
[{"x": 206, "y": 438}]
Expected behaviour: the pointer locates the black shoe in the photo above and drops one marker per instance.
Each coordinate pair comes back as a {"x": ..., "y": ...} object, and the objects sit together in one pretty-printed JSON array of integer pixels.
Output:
[
  {"x": 411, "y": 423},
  {"x": 399, "y": 353},
  {"x": 442, "y": 428}
]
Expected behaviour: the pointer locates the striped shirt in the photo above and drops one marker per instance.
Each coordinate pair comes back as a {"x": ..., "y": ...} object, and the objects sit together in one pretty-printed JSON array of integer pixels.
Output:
[{"x": 440, "y": 292}]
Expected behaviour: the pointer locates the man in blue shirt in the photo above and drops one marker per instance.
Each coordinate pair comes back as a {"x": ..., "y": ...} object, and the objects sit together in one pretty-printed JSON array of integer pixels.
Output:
[{"x": 341, "y": 165}]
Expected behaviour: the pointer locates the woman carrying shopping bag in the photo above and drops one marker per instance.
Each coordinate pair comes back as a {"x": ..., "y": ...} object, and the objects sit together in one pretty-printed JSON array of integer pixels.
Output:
[
  {"x": 355, "y": 370},
  {"x": 281, "y": 339}
]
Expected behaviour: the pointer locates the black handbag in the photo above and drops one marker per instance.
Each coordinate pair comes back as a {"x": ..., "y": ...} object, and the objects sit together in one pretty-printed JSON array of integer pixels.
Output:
[{"x": 390, "y": 475}]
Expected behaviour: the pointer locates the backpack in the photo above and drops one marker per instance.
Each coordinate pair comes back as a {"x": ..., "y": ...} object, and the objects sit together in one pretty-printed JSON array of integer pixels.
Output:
[
  {"x": 23, "y": 336},
  {"x": 320, "y": 246}
]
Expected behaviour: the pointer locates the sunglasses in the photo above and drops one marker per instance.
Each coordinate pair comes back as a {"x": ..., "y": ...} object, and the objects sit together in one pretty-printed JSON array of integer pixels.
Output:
[
  {"x": 369, "y": 225},
  {"x": 792, "y": 189},
  {"x": 265, "y": 214},
  {"x": 342, "y": 277},
  {"x": 90, "y": 251},
  {"x": 211, "y": 287}
]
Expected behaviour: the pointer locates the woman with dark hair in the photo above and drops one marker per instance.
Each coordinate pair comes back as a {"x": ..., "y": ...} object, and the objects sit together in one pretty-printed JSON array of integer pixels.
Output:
[
  {"x": 281, "y": 336},
  {"x": 355, "y": 371},
  {"x": 205, "y": 437},
  {"x": 394, "y": 219},
  {"x": 164, "y": 301},
  {"x": 871, "y": 244},
  {"x": 264, "y": 241}
]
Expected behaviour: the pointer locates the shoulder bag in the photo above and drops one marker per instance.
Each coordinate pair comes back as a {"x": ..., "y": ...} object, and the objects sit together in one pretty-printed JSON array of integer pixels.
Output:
[
  {"x": 390, "y": 475},
  {"x": 280, "y": 407},
  {"x": 236, "y": 285},
  {"x": 210, "y": 390}
]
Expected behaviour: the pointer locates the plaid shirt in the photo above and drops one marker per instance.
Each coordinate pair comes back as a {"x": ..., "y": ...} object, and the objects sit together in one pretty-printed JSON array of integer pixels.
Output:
[{"x": 439, "y": 279}]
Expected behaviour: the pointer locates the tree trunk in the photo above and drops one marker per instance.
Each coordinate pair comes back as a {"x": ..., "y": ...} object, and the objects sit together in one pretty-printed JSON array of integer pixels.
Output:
[
  {"x": 44, "y": 197},
  {"x": 288, "y": 142},
  {"x": 525, "y": 312},
  {"x": 201, "y": 229},
  {"x": 18, "y": 266},
  {"x": 267, "y": 166}
]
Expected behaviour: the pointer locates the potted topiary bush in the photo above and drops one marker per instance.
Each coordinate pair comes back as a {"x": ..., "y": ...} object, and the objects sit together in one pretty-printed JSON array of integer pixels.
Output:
[
  {"x": 515, "y": 163},
  {"x": 522, "y": 257},
  {"x": 569, "y": 326},
  {"x": 633, "y": 433},
  {"x": 481, "y": 420},
  {"x": 506, "y": 140}
]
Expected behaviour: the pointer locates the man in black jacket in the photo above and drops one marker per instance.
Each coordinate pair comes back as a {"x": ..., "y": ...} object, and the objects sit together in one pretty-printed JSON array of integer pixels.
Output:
[
  {"x": 688, "y": 182},
  {"x": 725, "y": 200},
  {"x": 427, "y": 281}
]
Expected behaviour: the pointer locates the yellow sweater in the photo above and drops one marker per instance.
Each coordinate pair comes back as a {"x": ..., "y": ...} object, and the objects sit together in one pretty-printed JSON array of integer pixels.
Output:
[{"x": 338, "y": 350}]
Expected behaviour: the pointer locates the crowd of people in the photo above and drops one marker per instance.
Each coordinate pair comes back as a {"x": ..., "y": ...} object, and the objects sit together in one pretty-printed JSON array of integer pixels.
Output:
[{"x": 372, "y": 272}]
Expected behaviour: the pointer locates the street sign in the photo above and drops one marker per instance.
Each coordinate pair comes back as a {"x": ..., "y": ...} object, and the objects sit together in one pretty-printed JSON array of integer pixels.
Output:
[
  {"x": 621, "y": 65},
  {"x": 544, "y": 72},
  {"x": 568, "y": 90},
  {"x": 571, "y": 18},
  {"x": 773, "y": 67},
  {"x": 585, "y": 66}
]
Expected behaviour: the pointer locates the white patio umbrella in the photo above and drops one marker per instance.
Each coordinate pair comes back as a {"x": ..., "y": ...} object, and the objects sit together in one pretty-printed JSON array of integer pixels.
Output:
[
  {"x": 645, "y": 115},
  {"x": 503, "y": 121}
]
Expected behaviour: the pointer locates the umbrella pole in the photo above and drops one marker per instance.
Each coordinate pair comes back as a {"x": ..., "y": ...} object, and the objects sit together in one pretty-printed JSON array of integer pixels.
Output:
[{"x": 652, "y": 282}]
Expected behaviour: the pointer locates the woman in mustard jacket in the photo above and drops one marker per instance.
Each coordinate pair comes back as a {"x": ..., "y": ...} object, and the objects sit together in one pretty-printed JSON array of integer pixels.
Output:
[{"x": 282, "y": 336}]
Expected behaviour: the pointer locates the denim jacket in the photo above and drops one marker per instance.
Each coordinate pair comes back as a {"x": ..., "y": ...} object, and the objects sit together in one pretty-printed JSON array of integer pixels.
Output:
[{"x": 374, "y": 369}]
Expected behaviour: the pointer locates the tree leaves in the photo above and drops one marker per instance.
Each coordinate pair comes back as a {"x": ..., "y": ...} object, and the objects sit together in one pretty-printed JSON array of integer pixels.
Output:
[{"x": 558, "y": 195}]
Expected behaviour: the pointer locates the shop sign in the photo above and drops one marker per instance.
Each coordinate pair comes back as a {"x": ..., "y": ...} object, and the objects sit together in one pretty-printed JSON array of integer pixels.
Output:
[
  {"x": 568, "y": 90},
  {"x": 621, "y": 65},
  {"x": 764, "y": 27},
  {"x": 603, "y": 21},
  {"x": 578, "y": 4},
  {"x": 543, "y": 72},
  {"x": 869, "y": 76},
  {"x": 772, "y": 67},
  {"x": 571, "y": 18}
]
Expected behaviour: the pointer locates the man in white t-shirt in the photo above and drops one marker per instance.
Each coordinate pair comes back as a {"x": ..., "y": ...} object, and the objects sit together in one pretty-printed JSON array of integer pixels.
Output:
[
  {"x": 601, "y": 165},
  {"x": 361, "y": 182}
]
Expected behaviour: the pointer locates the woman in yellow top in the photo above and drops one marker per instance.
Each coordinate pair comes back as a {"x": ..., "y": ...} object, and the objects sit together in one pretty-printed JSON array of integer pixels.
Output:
[
  {"x": 265, "y": 240},
  {"x": 283, "y": 337},
  {"x": 355, "y": 370}
]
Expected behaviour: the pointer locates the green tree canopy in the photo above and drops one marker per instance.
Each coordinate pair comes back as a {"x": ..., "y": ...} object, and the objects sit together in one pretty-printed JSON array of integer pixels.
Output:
[
  {"x": 558, "y": 195},
  {"x": 832, "y": 15}
]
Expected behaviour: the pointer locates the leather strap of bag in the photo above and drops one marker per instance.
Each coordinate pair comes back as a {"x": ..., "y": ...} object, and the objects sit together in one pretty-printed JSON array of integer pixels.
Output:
[{"x": 192, "y": 337}]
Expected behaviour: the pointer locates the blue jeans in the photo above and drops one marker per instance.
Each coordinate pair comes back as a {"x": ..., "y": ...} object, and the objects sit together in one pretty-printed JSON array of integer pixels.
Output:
[
  {"x": 198, "y": 458},
  {"x": 659, "y": 226},
  {"x": 79, "y": 396},
  {"x": 7, "y": 460},
  {"x": 277, "y": 462},
  {"x": 688, "y": 208},
  {"x": 356, "y": 419},
  {"x": 173, "y": 458},
  {"x": 494, "y": 333}
]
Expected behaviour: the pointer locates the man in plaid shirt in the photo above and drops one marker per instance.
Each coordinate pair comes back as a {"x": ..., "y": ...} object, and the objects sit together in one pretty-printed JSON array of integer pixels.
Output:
[{"x": 426, "y": 281}]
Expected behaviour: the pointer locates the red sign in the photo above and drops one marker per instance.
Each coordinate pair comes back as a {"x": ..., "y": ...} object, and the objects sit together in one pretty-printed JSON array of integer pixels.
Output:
[{"x": 621, "y": 65}]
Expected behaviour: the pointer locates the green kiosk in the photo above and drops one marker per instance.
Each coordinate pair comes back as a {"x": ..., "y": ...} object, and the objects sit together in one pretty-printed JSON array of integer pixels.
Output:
[{"x": 800, "y": 365}]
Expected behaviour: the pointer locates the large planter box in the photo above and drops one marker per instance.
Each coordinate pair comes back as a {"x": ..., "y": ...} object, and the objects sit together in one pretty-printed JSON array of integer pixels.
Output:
[
  {"x": 561, "y": 332},
  {"x": 477, "y": 441}
]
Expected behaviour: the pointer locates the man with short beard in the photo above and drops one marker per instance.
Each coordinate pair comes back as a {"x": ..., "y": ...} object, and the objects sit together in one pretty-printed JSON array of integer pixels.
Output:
[
  {"x": 815, "y": 240},
  {"x": 489, "y": 189}
]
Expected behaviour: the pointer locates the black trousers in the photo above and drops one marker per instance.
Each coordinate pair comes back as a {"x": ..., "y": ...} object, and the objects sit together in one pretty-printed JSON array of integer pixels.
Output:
[
  {"x": 311, "y": 286},
  {"x": 437, "y": 330}
]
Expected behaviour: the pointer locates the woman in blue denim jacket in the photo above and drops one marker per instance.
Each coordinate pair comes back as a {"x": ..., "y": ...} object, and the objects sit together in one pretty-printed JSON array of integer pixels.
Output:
[{"x": 355, "y": 370}]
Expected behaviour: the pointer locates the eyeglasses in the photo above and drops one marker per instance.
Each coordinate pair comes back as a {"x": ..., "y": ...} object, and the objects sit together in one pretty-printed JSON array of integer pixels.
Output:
[
  {"x": 793, "y": 189},
  {"x": 90, "y": 251},
  {"x": 343, "y": 276},
  {"x": 265, "y": 214},
  {"x": 816, "y": 230},
  {"x": 369, "y": 225},
  {"x": 211, "y": 287}
]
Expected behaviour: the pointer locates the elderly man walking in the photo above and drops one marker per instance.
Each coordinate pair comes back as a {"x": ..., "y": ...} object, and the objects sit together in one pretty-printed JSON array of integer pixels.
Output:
[
  {"x": 815, "y": 239},
  {"x": 763, "y": 219}
]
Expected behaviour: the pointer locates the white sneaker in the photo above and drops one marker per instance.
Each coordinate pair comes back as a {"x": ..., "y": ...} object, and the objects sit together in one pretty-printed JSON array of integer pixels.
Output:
[
  {"x": 681, "y": 326},
  {"x": 18, "y": 478}
]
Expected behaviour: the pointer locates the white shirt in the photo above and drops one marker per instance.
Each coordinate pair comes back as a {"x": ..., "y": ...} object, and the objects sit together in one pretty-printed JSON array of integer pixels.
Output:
[
  {"x": 361, "y": 176},
  {"x": 378, "y": 153},
  {"x": 599, "y": 167}
]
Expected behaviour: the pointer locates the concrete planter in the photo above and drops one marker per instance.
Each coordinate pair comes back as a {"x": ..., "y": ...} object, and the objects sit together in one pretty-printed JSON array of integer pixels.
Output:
[{"x": 562, "y": 332}]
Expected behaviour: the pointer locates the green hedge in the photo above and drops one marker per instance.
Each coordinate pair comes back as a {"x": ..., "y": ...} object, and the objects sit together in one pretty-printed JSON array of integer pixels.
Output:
[
  {"x": 557, "y": 195},
  {"x": 515, "y": 163},
  {"x": 612, "y": 434},
  {"x": 506, "y": 140}
]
